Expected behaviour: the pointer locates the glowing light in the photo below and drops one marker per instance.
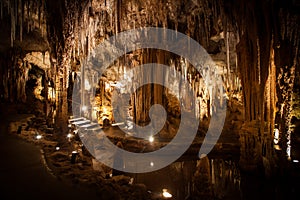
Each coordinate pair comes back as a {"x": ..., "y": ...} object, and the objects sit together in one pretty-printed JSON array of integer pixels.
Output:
[
  {"x": 51, "y": 93},
  {"x": 131, "y": 181},
  {"x": 94, "y": 113},
  {"x": 288, "y": 152},
  {"x": 277, "y": 147},
  {"x": 202, "y": 156},
  {"x": 117, "y": 85},
  {"x": 151, "y": 164},
  {"x": 129, "y": 125},
  {"x": 38, "y": 137},
  {"x": 87, "y": 85},
  {"x": 104, "y": 110},
  {"x": 151, "y": 139},
  {"x": 73, "y": 157},
  {"x": 276, "y": 136},
  {"x": 288, "y": 149},
  {"x": 57, "y": 148},
  {"x": 84, "y": 108},
  {"x": 166, "y": 194},
  {"x": 107, "y": 87},
  {"x": 295, "y": 161}
]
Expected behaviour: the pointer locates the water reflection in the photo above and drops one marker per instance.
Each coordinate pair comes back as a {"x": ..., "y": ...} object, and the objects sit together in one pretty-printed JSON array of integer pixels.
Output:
[{"x": 208, "y": 178}]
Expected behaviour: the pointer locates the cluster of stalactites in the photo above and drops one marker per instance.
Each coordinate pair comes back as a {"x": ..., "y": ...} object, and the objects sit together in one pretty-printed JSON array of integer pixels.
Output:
[
  {"x": 101, "y": 19},
  {"x": 25, "y": 15}
]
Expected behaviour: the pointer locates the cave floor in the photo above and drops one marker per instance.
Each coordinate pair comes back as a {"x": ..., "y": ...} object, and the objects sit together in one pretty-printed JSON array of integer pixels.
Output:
[
  {"x": 23, "y": 172},
  {"x": 67, "y": 180}
]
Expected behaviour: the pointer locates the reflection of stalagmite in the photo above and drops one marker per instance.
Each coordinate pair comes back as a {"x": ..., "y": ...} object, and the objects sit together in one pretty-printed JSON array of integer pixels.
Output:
[{"x": 202, "y": 179}]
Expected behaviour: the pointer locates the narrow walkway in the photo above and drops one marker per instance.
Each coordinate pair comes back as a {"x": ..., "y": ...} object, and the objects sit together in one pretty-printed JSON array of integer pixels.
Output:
[{"x": 24, "y": 176}]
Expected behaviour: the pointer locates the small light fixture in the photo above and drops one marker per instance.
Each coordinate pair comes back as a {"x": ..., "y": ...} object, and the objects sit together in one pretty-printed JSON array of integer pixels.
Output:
[
  {"x": 69, "y": 137},
  {"x": 151, "y": 139},
  {"x": 131, "y": 181},
  {"x": 277, "y": 147},
  {"x": 57, "y": 148},
  {"x": 38, "y": 137},
  {"x": 295, "y": 161},
  {"x": 166, "y": 194},
  {"x": 151, "y": 164},
  {"x": 73, "y": 157}
]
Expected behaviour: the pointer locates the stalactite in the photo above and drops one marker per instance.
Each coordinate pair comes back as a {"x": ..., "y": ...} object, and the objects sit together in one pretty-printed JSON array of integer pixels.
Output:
[
  {"x": 111, "y": 18},
  {"x": 39, "y": 13},
  {"x": 116, "y": 16},
  {"x": 12, "y": 33},
  {"x": 16, "y": 12},
  {"x": 8, "y": 7},
  {"x": 1, "y": 10},
  {"x": 228, "y": 58},
  {"x": 21, "y": 20},
  {"x": 27, "y": 15},
  {"x": 258, "y": 61},
  {"x": 33, "y": 22},
  {"x": 43, "y": 3}
]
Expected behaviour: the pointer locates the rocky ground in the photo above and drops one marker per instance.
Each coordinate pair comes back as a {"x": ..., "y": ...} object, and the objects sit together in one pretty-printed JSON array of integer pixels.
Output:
[
  {"x": 57, "y": 151},
  {"x": 58, "y": 161}
]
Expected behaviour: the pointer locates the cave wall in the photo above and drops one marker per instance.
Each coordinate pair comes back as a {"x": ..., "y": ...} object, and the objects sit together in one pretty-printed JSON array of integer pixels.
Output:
[{"x": 267, "y": 32}]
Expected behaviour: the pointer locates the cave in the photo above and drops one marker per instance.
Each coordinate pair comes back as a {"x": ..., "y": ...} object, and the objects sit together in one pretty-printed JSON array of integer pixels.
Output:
[{"x": 161, "y": 99}]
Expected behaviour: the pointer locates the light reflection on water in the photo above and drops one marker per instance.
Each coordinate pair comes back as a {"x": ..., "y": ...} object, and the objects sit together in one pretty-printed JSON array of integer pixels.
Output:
[{"x": 208, "y": 178}]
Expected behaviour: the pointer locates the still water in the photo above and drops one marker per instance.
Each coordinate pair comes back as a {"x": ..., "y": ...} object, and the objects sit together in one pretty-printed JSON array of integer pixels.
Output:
[
  {"x": 219, "y": 178},
  {"x": 208, "y": 178}
]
